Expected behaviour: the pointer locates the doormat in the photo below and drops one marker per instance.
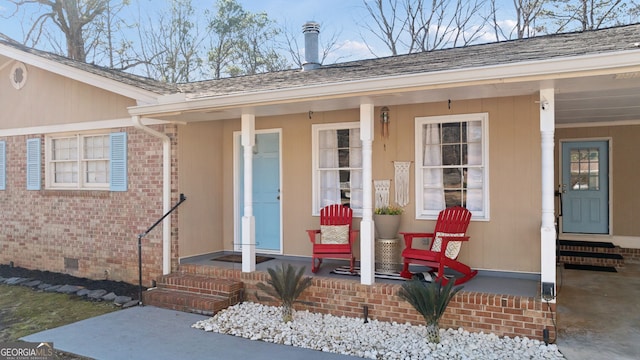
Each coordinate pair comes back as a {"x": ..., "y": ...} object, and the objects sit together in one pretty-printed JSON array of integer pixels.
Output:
[
  {"x": 237, "y": 258},
  {"x": 590, "y": 267},
  {"x": 593, "y": 255},
  {"x": 607, "y": 245},
  {"x": 344, "y": 270}
]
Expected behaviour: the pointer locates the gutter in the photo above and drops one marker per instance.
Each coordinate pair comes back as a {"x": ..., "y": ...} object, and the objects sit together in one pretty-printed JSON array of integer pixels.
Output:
[{"x": 166, "y": 190}]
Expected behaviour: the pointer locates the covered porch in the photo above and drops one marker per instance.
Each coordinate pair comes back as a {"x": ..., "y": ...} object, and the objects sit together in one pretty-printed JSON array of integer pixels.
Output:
[
  {"x": 524, "y": 113},
  {"x": 523, "y": 102}
]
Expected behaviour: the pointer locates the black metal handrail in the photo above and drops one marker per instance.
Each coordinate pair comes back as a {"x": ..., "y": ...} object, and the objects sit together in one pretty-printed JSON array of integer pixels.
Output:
[{"x": 182, "y": 199}]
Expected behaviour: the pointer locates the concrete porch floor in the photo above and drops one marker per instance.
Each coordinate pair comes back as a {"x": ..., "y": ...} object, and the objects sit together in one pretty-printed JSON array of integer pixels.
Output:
[
  {"x": 485, "y": 281},
  {"x": 598, "y": 313}
]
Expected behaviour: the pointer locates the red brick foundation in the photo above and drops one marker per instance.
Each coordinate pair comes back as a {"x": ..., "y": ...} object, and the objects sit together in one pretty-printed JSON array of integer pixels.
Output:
[
  {"x": 504, "y": 315},
  {"x": 630, "y": 255}
]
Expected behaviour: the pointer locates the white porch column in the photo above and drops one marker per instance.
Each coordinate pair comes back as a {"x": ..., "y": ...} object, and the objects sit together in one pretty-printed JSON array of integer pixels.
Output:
[
  {"x": 547, "y": 231},
  {"x": 248, "y": 220},
  {"x": 367, "y": 241}
]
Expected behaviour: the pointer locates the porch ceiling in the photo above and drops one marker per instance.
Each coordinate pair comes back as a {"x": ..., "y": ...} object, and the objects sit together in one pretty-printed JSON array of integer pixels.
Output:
[{"x": 602, "y": 98}]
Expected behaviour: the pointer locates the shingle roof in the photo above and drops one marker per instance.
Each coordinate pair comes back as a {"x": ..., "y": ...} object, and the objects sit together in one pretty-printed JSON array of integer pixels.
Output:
[
  {"x": 140, "y": 82},
  {"x": 621, "y": 38}
]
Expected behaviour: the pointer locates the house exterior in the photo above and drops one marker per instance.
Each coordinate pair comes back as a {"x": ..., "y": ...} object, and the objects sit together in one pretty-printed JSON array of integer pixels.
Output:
[{"x": 91, "y": 158}]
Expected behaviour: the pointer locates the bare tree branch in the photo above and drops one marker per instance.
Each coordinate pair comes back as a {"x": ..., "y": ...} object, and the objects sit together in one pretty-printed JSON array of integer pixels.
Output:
[
  {"x": 386, "y": 22},
  {"x": 571, "y": 15},
  {"x": 420, "y": 25}
]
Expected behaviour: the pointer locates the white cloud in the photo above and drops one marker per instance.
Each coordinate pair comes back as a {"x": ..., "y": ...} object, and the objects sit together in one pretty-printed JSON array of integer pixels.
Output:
[
  {"x": 507, "y": 27},
  {"x": 350, "y": 50}
]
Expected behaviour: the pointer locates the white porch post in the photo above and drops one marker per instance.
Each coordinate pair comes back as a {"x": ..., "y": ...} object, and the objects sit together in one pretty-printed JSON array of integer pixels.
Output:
[
  {"x": 367, "y": 241},
  {"x": 248, "y": 220},
  {"x": 547, "y": 231}
]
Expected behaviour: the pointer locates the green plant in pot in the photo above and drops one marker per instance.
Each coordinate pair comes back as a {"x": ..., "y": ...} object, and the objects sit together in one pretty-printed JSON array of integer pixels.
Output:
[
  {"x": 431, "y": 301},
  {"x": 286, "y": 285},
  {"x": 387, "y": 221}
]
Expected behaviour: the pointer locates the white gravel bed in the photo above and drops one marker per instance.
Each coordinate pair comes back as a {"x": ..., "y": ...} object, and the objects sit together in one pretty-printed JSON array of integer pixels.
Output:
[{"x": 372, "y": 340}]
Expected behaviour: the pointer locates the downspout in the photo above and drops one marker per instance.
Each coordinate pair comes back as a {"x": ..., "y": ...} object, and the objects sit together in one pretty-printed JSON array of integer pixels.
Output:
[{"x": 166, "y": 190}]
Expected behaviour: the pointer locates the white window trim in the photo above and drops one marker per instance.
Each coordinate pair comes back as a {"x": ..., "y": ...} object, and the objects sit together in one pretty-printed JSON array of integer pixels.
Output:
[
  {"x": 80, "y": 185},
  {"x": 315, "y": 180},
  {"x": 419, "y": 122}
]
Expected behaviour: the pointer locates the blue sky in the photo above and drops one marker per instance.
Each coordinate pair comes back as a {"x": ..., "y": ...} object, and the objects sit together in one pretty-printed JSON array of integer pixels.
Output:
[
  {"x": 340, "y": 17},
  {"x": 337, "y": 17}
]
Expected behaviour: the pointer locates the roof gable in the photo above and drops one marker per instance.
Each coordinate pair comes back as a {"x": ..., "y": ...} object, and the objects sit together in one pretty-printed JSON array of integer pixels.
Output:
[{"x": 143, "y": 90}]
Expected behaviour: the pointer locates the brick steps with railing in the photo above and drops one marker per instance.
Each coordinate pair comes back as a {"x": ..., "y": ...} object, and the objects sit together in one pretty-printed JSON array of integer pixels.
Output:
[{"x": 194, "y": 293}]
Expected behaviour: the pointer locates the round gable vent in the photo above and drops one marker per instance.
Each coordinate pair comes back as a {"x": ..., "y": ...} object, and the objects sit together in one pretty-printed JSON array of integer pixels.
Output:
[{"x": 18, "y": 75}]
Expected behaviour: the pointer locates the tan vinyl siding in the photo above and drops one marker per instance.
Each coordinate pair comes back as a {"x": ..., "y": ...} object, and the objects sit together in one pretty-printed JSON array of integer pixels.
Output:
[
  {"x": 200, "y": 151},
  {"x": 509, "y": 241},
  {"x": 50, "y": 99},
  {"x": 625, "y": 165}
]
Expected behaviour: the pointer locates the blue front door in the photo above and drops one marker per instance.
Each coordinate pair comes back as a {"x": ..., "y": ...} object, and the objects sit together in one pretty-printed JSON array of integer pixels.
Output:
[
  {"x": 585, "y": 187},
  {"x": 266, "y": 191}
]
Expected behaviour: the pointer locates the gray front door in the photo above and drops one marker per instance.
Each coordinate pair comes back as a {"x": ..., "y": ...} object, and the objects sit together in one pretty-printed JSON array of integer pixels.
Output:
[{"x": 585, "y": 187}]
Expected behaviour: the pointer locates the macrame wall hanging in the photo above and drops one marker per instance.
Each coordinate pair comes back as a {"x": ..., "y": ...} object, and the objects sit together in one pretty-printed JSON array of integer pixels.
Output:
[
  {"x": 402, "y": 182},
  {"x": 382, "y": 192}
]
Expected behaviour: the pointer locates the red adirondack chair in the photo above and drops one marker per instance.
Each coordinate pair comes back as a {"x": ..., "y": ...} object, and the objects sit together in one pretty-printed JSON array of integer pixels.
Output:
[
  {"x": 447, "y": 237},
  {"x": 336, "y": 236}
]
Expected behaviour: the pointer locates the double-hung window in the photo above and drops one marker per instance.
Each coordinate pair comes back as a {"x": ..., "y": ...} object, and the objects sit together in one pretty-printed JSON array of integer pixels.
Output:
[
  {"x": 337, "y": 166},
  {"x": 84, "y": 161},
  {"x": 452, "y": 164}
]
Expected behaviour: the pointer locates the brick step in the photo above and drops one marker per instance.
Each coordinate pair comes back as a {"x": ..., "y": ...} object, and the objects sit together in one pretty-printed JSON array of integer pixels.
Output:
[
  {"x": 587, "y": 246},
  {"x": 589, "y": 253},
  {"x": 202, "y": 284},
  {"x": 194, "y": 293},
  {"x": 185, "y": 301},
  {"x": 593, "y": 255},
  {"x": 590, "y": 261}
]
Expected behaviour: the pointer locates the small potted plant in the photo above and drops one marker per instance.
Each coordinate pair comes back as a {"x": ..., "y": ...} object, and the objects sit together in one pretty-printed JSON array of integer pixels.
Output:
[{"x": 387, "y": 221}]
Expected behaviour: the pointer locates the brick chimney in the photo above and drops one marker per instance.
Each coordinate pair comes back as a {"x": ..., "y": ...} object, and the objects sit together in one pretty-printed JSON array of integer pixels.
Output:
[{"x": 311, "y": 30}]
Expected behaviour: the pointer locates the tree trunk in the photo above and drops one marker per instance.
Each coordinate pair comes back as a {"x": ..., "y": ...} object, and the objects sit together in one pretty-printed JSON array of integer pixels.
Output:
[
  {"x": 287, "y": 313},
  {"x": 433, "y": 333}
]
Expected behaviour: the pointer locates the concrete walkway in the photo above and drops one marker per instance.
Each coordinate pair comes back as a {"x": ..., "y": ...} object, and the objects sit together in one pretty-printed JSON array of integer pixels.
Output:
[
  {"x": 598, "y": 317},
  {"x": 599, "y": 314},
  {"x": 149, "y": 332}
]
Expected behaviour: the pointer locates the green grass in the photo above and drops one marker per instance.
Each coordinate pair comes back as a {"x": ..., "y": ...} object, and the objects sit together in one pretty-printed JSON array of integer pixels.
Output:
[{"x": 24, "y": 311}]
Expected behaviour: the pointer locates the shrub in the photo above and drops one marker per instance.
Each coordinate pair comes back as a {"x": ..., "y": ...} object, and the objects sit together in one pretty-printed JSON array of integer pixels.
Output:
[
  {"x": 286, "y": 285},
  {"x": 431, "y": 301}
]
